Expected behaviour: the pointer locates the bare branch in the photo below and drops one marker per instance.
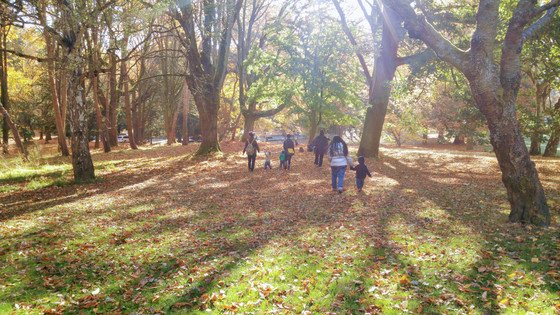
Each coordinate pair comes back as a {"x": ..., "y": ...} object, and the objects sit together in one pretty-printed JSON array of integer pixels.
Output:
[
  {"x": 23, "y": 55},
  {"x": 352, "y": 40}
]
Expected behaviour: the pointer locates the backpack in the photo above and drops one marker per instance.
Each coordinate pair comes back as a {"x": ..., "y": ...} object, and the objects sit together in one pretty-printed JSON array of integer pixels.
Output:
[{"x": 250, "y": 148}]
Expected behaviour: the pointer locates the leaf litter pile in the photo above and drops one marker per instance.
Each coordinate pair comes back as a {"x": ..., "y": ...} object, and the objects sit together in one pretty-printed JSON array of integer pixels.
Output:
[{"x": 162, "y": 231}]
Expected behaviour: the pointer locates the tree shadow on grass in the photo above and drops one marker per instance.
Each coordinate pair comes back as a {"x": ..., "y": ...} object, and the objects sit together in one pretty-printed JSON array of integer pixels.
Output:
[
  {"x": 179, "y": 225},
  {"x": 480, "y": 217}
]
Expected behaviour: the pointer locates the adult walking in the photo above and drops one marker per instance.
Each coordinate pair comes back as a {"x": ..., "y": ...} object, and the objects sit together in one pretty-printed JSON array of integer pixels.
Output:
[
  {"x": 320, "y": 146},
  {"x": 338, "y": 154},
  {"x": 251, "y": 148},
  {"x": 289, "y": 149}
]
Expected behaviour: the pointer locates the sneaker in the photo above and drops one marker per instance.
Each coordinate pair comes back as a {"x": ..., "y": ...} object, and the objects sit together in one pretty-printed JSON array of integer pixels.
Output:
[{"x": 340, "y": 191}]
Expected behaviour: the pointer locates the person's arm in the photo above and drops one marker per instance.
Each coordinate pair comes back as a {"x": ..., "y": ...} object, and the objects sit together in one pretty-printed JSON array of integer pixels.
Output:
[
  {"x": 245, "y": 147},
  {"x": 367, "y": 171},
  {"x": 257, "y": 146}
]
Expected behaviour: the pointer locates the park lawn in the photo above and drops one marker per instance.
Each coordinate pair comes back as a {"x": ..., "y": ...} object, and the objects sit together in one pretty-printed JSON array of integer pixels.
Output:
[{"x": 161, "y": 231}]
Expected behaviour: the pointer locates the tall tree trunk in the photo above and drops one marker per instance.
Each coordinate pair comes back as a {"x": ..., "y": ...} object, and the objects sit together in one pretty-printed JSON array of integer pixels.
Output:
[
  {"x": 380, "y": 90},
  {"x": 63, "y": 95},
  {"x": 494, "y": 85},
  {"x": 127, "y": 107},
  {"x": 81, "y": 157},
  {"x": 15, "y": 132},
  {"x": 536, "y": 135},
  {"x": 186, "y": 97},
  {"x": 114, "y": 95},
  {"x": 172, "y": 127},
  {"x": 101, "y": 121},
  {"x": 208, "y": 104},
  {"x": 314, "y": 123},
  {"x": 552, "y": 145},
  {"x": 519, "y": 175},
  {"x": 58, "y": 117},
  {"x": 137, "y": 124},
  {"x": 248, "y": 125},
  {"x": 4, "y": 92}
]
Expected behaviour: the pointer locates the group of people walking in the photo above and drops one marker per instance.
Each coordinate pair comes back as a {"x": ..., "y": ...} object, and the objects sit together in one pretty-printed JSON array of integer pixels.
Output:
[{"x": 336, "y": 149}]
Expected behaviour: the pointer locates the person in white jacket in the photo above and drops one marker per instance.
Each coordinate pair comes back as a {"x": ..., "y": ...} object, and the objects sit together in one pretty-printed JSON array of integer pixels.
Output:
[{"x": 338, "y": 155}]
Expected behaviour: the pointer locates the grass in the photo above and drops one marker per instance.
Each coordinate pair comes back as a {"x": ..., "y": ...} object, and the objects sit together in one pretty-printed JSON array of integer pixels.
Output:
[{"x": 167, "y": 232}]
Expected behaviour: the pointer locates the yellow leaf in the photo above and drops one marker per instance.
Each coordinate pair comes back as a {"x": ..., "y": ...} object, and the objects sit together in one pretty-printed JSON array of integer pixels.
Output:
[{"x": 404, "y": 280}]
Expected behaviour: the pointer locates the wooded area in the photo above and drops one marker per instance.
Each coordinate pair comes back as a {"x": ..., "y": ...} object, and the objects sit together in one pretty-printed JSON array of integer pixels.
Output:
[{"x": 86, "y": 84}]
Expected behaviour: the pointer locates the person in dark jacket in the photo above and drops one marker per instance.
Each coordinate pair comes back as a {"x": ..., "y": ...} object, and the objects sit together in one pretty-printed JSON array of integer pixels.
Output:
[
  {"x": 290, "y": 149},
  {"x": 251, "y": 147},
  {"x": 361, "y": 172},
  {"x": 320, "y": 146}
]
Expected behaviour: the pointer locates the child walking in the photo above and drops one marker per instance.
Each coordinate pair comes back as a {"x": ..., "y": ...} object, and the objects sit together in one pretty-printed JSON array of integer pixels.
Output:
[
  {"x": 282, "y": 158},
  {"x": 267, "y": 164},
  {"x": 361, "y": 172}
]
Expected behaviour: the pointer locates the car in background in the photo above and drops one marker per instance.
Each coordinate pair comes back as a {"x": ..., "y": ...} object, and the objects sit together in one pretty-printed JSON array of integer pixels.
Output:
[
  {"x": 195, "y": 139},
  {"x": 122, "y": 138},
  {"x": 275, "y": 138}
]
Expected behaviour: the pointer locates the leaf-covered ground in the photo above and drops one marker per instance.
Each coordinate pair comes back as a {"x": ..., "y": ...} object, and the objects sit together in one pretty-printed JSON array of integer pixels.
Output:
[{"x": 163, "y": 232}]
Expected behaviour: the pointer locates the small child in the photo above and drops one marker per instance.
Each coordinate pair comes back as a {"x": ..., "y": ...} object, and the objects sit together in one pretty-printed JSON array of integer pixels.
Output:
[
  {"x": 283, "y": 160},
  {"x": 267, "y": 164},
  {"x": 361, "y": 172}
]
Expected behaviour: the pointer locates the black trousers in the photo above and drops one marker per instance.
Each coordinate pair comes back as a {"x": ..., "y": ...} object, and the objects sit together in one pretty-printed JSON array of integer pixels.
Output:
[
  {"x": 251, "y": 161},
  {"x": 319, "y": 158},
  {"x": 289, "y": 160}
]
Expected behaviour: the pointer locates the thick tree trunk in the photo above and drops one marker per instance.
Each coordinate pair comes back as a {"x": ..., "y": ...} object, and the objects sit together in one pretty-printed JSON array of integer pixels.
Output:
[
  {"x": 172, "y": 127},
  {"x": 552, "y": 145},
  {"x": 208, "y": 105},
  {"x": 137, "y": 124},
  {"x": 15, "y": 132},
  {"x": 248, "y": 126},
  {"x": 519, "y": 175},
  {"x": 380, "y": 90},
  {"x": 535, "y": 148},
  {"x": 459, "y": 139},
  {"x": 81, "y": 157}
]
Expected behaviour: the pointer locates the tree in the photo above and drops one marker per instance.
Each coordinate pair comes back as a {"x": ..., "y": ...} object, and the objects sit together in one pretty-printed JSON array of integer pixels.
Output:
[
  {"x": 494, "y": 84},
  {"x": 385, "y": 64},
  {"x": 57, "y": 94},
  {"x": 251, "y": 39},
  {"x": 313, "y": 70},
  {"x": 207, "y": 27}
]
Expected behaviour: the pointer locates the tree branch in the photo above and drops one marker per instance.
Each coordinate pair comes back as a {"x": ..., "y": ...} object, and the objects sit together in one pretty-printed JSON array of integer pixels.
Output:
[
  {"x": 352, "y": 40},
  {"x": 534, "y": 29},
  {"x": 26, "y": 56},
  {"x": 417, "y": 60},
  {"x": 419, "y": 28}
]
